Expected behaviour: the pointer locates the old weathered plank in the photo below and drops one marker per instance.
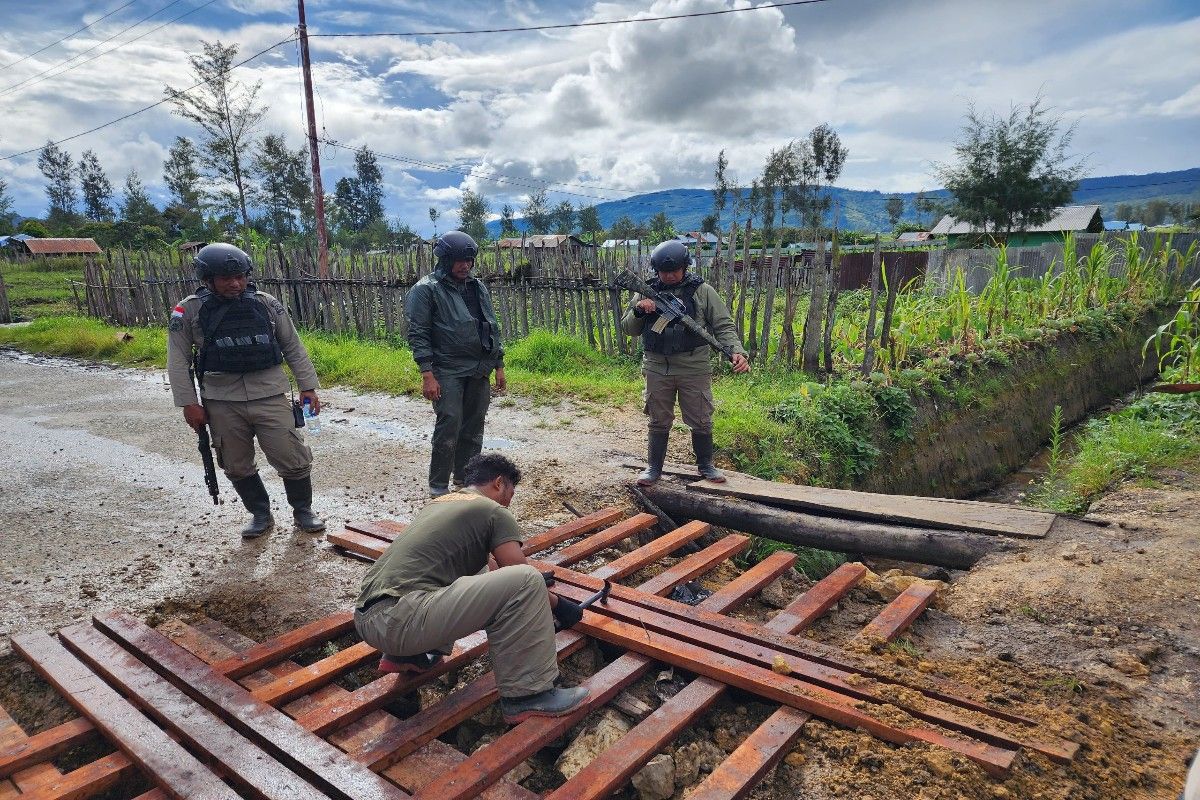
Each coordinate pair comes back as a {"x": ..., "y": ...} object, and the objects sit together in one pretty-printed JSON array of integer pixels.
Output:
[
  {"x": 312, "y": 757},
  {"x": 23, "y": 779},
  {"x": 359, "y": 543},
  {"x": 29, "y": 751},
  {"x": 899, "y": 509},
  {"x": 174, "y": 769},
  {"x": 87, "y": 781},
  {"x": 243, "y": 762},
  {"x": 285, "y": 644}
]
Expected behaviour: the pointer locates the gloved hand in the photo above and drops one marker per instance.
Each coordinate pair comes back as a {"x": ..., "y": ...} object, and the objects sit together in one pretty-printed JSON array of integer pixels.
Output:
[{"x": 566, "y": 614}]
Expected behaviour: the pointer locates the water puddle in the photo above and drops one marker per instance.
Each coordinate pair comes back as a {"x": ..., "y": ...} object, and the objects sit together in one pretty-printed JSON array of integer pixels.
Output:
[{"x": 398, "y": 431}]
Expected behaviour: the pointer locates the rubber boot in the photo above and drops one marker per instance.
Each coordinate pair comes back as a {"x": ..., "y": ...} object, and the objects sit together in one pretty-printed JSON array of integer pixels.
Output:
[
  {"x": 258, "y": 502},
  {"x": 299, "y": 495},
  {"x": 702, "y": 444},
  {"x": 656, "y": 453}
]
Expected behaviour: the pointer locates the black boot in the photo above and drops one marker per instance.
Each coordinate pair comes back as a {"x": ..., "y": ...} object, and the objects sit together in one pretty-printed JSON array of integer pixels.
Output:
[
  {"x": 656, "y": 453},
  {"x": 258, "y": 502},
  {"x": 299, "y": 495},
  {"x": 702, "y": 444}
]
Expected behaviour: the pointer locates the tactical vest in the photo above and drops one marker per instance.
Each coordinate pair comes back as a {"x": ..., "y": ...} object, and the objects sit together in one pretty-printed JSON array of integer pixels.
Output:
[
  {"x": 238, "y": 334},
  {"x": 675, "y": 338}
]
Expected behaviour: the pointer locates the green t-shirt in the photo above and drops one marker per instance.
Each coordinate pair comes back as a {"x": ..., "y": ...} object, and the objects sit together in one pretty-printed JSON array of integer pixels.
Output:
[{"x": 450, "y": 537}]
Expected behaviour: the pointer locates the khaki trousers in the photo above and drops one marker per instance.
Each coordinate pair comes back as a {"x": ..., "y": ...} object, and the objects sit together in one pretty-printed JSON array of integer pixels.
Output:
[
  {"x": 236, "y": 423},
  {"x": 695, "y": 401},
  {"x": 511, "y": 604}
]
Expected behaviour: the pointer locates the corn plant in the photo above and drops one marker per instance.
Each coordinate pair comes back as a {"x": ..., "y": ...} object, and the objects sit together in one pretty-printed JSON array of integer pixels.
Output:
[{"x": 1177, "y": 341}]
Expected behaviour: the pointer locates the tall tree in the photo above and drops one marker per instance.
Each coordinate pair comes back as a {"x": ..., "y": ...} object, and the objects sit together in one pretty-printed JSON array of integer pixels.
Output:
[
  {"x": 472, "y": 212},
  {"x": 433, "y": 217},
  {"x": 819, "y": 173},
  {"x": 360, "y": 198},
  {"x": 720, "y": 188},
  {"x": 589, "y": 222},
  {"x": 894, "y": 206},
  {"x": 563, "y": 218},
  {"x": 924, "y": 204},
  {"x": 136, "y": 206},
  {"x": 623, "y": 228},
  {"x": 56, "y": 164},
  {"x": 537, "y": 213},
  {"x": 228, "y": 112},
  {"x": 283, "y": 191},
  {"x": 6, "y": 207},
  {"x": 508, "y": 227},
  {"x": 661, "y": 228},
  {"x": 1011, "y": 172},
  {"x": 181, "y": 171},
  {"x": 97, "y": 188}
]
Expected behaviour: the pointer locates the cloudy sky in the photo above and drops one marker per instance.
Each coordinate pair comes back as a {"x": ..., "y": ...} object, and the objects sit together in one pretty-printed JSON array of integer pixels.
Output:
[{"x": 601, "y": 112}]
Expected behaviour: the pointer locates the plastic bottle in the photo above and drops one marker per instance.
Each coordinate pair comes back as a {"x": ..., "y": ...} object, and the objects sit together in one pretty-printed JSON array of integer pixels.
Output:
[{"x": 312, "y": 422}]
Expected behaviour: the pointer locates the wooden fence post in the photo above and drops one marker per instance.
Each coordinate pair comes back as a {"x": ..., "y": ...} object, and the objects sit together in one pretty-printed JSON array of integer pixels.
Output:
[{"x": 869, "y": 336}]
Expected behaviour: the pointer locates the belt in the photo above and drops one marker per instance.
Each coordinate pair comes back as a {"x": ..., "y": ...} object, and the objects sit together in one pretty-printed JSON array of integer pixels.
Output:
[{"x": 377, "y": 601}]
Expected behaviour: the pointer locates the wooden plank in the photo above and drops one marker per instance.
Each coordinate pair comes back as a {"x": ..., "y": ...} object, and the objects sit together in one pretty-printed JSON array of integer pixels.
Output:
[
  {"x": 648, "y": 553},
  {"x": 899, "y": 613},
  {"x": 481, "y": 769},
  {"x": 244, "y": 763},
  {"x": 533, "y": 734},
  {"x": 314, "y": 676},
  {"x": 378, "y": 529},
  {"x": 901, "y": 509},
  {"x": 284, "y": 645},
  {"x": 835, "y": 684},
  {"x": 26, "y": 778},
  {"x": 41, "y": 747},
  {"x": 785, "y": 689},
  {"x": 820, "y": 597},
  {"x": 174, "y": 769},
  {"x": 738, "y": 774},
  {"x": 604, "y": 539},
  {"x": 569, "y": 530},
  {"x": 697, "y": 564},
  {"x": 87, "y": 781},
  {"x": 312, "y": 757},
  {"x": 212, "y": 642},
  {"x": 750, "y": 582},
  {"x": 359, "y": 543}
]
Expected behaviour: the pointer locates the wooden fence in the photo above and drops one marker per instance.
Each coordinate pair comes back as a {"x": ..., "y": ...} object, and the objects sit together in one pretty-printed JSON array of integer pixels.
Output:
[{"x": 5, "y": 310}]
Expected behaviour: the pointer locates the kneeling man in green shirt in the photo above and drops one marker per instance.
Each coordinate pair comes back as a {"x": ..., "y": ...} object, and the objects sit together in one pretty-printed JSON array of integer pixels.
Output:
[{"x": 432, "y": 586}]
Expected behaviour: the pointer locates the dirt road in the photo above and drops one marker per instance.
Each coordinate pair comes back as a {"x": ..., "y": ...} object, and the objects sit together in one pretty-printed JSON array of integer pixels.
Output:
[{"x": 103, "y": 501}]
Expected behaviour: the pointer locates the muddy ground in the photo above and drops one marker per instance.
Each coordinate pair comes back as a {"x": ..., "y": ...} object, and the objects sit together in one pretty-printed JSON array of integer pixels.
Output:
[{"x": 1095, "y": 631}]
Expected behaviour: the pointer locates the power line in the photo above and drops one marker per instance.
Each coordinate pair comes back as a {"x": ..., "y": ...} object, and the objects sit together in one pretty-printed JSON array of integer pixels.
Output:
[
  {"x": 35, "y": 79},
  {"x": 146, "y": 108},
  {"x": 564, "y": 25},
  {"x": 68, "y": 36}
]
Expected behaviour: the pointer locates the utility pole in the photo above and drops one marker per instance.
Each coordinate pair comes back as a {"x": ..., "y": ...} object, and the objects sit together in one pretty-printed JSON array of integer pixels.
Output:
[{"x": 318, "y": 189}]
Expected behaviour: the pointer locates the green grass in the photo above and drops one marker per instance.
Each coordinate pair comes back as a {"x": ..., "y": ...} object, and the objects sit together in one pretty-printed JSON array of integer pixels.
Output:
[
  {"x": 815, "y": 564},
  {"x": 1155, "y": 432},
  {"x": 41, "y": 288}
]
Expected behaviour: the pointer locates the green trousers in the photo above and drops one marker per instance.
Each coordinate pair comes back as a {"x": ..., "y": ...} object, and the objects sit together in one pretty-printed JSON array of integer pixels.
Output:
[
  {"x": 511, "y": 604},
  {"x": 235, "y": 424},
  {"x": 458, "y": 431}
]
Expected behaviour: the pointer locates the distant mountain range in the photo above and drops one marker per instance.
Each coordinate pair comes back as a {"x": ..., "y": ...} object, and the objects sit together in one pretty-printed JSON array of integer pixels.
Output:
[{"x": 864, "y": 210}]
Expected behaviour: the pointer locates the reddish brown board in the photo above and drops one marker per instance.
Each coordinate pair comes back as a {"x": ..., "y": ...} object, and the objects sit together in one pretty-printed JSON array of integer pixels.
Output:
[
  {"x": 282, "y": 646},
  {"x": 899, "y": 613},
  {"x": 311, "y": 757},
  {"x": 648, "y": 553},
  {"x": 569, "y": 530},
  {"x": 358, "y": 543},
  {"x": 28, "y": 777},
  {"x": 820, "y": 597},
  {"x": 245, "y": 764},
  {"x": 606, "y": 538},
  {"x": 29, "y": 751},
  {"x": 697, "y": 564},
  {"x": 174, "y": 769},
  {"x": 736, "y": 776},
  {"x": 87, "y": 781}
]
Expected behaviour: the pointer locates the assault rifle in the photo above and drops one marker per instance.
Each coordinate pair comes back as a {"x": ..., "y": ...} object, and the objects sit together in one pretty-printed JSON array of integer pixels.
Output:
[
  {"x": 205, "y": 444},
  {"x": 670, "y": 308}
]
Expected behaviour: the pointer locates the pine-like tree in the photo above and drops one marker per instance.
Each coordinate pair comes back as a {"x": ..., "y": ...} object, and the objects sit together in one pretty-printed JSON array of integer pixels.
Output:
[
  {"x": 97, "y": 188},
  {"x": 56, "y": 165}
]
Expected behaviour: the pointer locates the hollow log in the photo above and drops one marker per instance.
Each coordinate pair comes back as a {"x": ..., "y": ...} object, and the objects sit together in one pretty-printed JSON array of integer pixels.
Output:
[{"x": 943, "y": 548}]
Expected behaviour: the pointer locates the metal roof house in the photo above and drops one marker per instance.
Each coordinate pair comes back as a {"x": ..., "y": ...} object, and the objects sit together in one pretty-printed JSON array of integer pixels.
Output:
[
  {"x": 544, "y": 242},
  {"x": 611, "y": 243},
  {"x": 1066, "y": 219},
  {"x": 56, "y": 247}
]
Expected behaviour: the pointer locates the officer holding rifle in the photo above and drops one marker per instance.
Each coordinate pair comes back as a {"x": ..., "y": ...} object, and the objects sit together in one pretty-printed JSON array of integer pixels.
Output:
[{"x": 679, "y": 330}]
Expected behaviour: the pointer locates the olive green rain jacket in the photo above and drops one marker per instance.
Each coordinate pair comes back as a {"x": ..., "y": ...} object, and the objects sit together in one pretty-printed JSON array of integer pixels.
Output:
[{"x": 443, "y": 335}]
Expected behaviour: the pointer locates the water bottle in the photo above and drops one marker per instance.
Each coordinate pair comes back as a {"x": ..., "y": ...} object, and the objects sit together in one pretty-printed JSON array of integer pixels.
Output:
[{"x": 312, "y": 422}]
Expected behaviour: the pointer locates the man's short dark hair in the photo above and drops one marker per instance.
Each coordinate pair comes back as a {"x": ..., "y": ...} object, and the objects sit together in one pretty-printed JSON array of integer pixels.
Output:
[{"x": 486, "y": 467}]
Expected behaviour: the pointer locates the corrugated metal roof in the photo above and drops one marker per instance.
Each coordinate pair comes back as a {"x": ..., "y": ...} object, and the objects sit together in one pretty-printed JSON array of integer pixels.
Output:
[
  {"x": 1066, "y": 218},
  {"x": 540, "y": 241},
  {"x": 56, "y": 247}
]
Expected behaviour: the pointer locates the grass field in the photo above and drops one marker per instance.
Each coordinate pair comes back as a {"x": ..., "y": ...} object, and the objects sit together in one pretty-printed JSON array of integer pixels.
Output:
[{"x": 38, "y": 289}]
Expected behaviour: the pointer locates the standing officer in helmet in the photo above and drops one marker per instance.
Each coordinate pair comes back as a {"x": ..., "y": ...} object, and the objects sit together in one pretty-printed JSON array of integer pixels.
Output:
[
  {"x": 239, "y": 337},
  {"x": 676, "y": 362},
  {"x": 455, "y": 341}
]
